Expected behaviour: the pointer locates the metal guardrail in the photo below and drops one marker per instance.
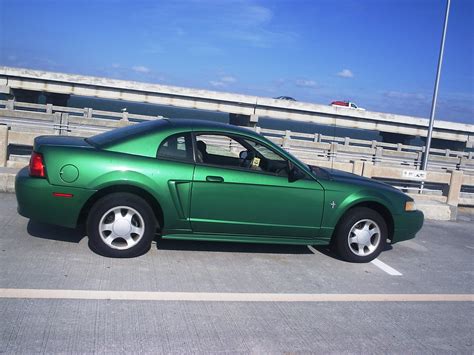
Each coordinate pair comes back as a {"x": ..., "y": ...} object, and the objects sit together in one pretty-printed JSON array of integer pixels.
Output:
[{"x": 363, "y": 157}]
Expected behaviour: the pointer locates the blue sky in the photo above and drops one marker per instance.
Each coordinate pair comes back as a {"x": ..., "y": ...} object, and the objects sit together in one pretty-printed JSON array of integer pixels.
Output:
[{"x": 381, "y": 54}]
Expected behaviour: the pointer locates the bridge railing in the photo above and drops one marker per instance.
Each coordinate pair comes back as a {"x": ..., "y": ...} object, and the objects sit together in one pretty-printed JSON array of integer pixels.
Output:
[{"x": 385, "y": 161}]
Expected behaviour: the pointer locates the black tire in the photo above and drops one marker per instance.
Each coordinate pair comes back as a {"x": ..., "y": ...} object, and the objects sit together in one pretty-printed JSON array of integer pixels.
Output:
[
  {"x": 121, "y": 225},
  {"x": 372, "y": 239}
]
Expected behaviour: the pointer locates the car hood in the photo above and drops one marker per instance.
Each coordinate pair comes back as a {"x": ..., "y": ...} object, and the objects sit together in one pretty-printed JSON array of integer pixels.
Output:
[{"x": 349, "y": 178}]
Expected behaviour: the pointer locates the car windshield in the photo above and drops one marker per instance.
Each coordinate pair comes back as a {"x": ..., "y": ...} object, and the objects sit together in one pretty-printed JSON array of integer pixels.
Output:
[{"x": 116, "y": 135}]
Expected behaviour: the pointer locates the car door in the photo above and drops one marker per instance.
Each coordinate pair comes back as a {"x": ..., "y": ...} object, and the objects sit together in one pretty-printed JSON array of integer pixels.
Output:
[{"x": 230, "y": 199}]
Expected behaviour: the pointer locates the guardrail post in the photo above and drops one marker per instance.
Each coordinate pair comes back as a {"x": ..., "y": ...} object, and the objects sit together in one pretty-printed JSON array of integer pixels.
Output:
[
  {"x": 3, "y": 145},
  {"x": 357, "y": 167},
  {"x": 257, "y": 129},
  {"x": 378, "y": 155},
  {"x": 287, "y": 139},
  {"x": 57, "y": 123},
  {"x": 64, "y": 128},
  {"x": 49, "y": 108},
  {"x": 419, "y": 156},
  {"x": 317, "y": 137},
  {"x": 347, "y": 141},
  {"x": 368, "y": 169},
  {"x": 87, "y": 112},
  {"x": 455, "y": 187},
  {"x": 10, "y": 104},
  {"x": 332, "y": 151},
  {"x": 124, "y": 116}
]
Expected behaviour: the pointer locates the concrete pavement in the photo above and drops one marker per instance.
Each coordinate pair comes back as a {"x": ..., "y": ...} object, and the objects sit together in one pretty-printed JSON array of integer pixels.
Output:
[{"x": 35, "y": 256}]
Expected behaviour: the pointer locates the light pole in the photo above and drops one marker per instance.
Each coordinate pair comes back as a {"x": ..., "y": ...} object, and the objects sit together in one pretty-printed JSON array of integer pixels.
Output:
[{"x": 435, "y": 93}]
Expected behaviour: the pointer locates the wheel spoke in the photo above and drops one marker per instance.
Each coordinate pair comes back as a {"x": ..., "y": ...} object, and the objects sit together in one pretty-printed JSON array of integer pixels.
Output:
[
  {"x": 110, "y": 239},
  {"x": 136, "y": 230},
  {"x": 128, "y": 238},
  {"x": 353, "y": 240},
  {"x": 361, "y": 249},
  {"x": 129, "y": 216},
  {"x": 106, "y": 227},
  {"x": 373, "y": 231},
  {"x": 117, "y": 214}
]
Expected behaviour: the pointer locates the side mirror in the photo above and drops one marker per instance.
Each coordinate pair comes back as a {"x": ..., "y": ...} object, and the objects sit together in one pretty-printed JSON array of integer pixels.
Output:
[{"x": 295, "y": 173}]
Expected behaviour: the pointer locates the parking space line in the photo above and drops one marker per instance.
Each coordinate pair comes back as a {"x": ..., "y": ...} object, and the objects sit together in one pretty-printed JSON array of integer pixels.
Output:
[
  {"x": 467, "y": 246},
  {"x": 384, "y": 267},
  {"x": 227, "y": 297},
  {"x": 314, "y": 251}
]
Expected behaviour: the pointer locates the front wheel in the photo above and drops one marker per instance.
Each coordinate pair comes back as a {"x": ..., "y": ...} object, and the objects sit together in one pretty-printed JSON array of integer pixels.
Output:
[
  {"x": 121, "y": 225},
  {"x": 361, "y": 235}
]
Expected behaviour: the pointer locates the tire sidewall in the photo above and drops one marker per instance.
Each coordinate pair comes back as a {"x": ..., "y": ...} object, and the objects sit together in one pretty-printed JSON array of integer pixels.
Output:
[
  {"x": 114, "y": 200},
  {"x": 342, "y": 231}
]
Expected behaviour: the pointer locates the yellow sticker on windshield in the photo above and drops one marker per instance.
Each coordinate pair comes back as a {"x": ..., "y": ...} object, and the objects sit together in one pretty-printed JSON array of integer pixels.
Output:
[{"x": 255, "y": 161}]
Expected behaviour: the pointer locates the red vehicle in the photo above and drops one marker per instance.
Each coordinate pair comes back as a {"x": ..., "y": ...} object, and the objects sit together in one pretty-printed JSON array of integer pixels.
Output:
[{"x": 347, "y": 104}]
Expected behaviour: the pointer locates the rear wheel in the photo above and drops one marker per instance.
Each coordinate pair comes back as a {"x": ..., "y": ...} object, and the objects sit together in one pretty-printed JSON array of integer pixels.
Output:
[
  {"x": 121, "y": 225},
  {"x": 361, "y": 235}
]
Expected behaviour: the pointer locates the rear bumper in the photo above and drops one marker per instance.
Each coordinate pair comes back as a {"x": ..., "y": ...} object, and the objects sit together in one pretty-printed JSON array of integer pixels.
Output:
[
  {"x": 407, "y": 225},
  {"x": 36, "y": 200}
]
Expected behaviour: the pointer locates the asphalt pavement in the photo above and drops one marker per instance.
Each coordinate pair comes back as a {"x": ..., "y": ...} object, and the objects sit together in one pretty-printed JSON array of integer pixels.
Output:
[{"x": 57, "y": 296}]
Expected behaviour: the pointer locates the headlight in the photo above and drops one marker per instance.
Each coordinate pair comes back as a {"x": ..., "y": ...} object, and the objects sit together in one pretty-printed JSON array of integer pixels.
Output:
[{"x": 410, "y": 206}]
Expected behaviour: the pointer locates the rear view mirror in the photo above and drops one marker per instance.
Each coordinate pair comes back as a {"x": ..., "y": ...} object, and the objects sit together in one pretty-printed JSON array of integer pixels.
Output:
[{"x": 295, "y": 174}]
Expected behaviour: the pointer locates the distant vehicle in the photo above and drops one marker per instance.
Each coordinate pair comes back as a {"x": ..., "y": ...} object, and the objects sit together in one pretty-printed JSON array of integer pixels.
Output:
[
  {"x": 347, "y": 104},
  {"x": 287, "y": 98}
]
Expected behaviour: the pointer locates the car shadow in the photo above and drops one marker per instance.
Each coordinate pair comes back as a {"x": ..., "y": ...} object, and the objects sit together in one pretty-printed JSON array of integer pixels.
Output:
[
  {"x": 230, "y": 247},
  {"x": 52, "y": 232}
]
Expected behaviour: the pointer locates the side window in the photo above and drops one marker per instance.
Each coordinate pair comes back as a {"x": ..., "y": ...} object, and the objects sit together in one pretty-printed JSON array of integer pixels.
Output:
[
  {"x": 218, "y": 150},
  {"x": 239, "y": 152},
  {"x": 176, "y": 147},
  {"x": 269, "y": 160}
]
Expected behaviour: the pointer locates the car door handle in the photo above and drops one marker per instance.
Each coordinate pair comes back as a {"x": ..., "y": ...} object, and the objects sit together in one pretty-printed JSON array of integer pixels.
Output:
[{"x": 214, "y": 178}]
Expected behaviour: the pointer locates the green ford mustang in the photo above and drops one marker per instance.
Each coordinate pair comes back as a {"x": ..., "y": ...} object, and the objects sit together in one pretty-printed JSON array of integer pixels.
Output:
[{"x": 205, "y": 181}]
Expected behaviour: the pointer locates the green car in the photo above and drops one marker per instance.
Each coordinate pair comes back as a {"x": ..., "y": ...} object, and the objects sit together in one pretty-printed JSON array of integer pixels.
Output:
[{"x": 190, "y": 179}]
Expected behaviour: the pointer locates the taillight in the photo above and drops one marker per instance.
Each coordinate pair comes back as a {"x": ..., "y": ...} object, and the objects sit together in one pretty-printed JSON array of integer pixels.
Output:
[{"x": 37, "y": 165}]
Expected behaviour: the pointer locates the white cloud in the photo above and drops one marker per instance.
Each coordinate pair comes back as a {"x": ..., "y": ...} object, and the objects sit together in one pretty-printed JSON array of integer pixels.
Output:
[
  {"x": 345, "y": 73},
  {"x": 141, "y": 69},
  {"x": 228, "y": 79},
  {"x": 305, "y": 83},
  {"x": 224, "y": 80},
  {"x": 404, "y": 95},
  {"x": 217, "y": 84}
]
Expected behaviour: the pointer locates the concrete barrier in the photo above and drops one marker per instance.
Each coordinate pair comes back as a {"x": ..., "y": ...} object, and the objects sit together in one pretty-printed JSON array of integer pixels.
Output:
[{"x": 450, "y": 170}]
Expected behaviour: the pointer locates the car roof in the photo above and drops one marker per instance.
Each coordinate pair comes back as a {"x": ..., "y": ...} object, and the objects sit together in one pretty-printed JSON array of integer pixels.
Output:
[{"x": 204, "y": 125}]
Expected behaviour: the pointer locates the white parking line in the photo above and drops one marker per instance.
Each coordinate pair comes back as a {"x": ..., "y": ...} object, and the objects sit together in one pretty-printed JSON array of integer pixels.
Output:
[
  {"x": 384, "y": 267},
  {"x": 226, "y": 297},
  {"x": 314, "y": 251},
  {"x": 467, "y": 246}
]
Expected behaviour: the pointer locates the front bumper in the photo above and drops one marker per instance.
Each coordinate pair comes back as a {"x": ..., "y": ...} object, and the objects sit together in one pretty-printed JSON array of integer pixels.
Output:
[
  {"x": 36, "y": 200},
  {"x": 406, "y": 225}
]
